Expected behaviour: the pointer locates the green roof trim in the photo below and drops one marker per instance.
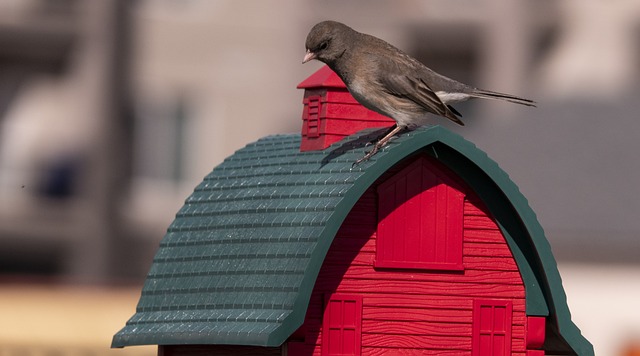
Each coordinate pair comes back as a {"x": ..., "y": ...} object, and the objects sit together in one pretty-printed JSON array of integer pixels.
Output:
[{"x": 239, "y": 262}]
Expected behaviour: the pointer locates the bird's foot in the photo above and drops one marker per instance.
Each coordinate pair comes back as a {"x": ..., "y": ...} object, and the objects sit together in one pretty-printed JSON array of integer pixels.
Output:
[
  {"x": 367, "y": 155},
  {"x": 376, "y": 141},
  {"x": 379, "y": 144}
]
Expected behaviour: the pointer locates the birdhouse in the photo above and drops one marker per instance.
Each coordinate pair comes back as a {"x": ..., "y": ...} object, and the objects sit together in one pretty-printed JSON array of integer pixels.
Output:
[{"x": 427, "y": 248}]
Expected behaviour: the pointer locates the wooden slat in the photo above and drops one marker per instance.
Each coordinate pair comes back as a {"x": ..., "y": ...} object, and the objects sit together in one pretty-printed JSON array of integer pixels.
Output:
[
  {"x": 412, "y": 341},
  {"x": 426, "y": 342},
  {"x": 479, "y": 222},
  {"x": 425, "y": 288},
  {"x": 434, "y": 315},
  {"x": 363, "y": 272},
  {"x": 416, "y": 328},
  {"x": 490, "y": 264},
  {"x": 487, "y": 249},
  {"x": 432, "y": 302},
  {"x": 474, "y": 207},
  {"x": 428, "y": 328},
  {"x": 483, "y": 236},
  {"x": 339, "y": 257},
  {"x": 357, "y": 231},
  {"x": 353, "y": 244},
  {"x": 414, "y": 314},
  {"x": 360, "y": 217}
]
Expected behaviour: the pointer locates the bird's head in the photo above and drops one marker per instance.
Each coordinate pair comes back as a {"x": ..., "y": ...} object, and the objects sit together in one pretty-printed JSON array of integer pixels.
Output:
[{"x": 327, "y": 41}]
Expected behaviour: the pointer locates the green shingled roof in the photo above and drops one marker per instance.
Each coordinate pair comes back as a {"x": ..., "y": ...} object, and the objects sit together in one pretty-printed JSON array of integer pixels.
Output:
[{"x": 238, "y": 264}]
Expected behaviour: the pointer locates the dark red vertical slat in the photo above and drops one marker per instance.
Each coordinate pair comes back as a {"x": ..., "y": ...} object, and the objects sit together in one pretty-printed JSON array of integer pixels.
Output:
[
  {"x": 412, "y": 211},
  {"x": 455, "y": 226},
  {"x": 385, "y": 224},
  {"x": 399, "y": 214},
  {"x": 429, "y": 210},
  {"x": 420, "y": 219},
  {"x": 535, "y": 332}
]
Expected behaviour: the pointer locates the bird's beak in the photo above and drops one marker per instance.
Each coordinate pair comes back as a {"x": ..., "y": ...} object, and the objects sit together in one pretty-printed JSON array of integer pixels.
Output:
[{"x": 309, "y": 56}]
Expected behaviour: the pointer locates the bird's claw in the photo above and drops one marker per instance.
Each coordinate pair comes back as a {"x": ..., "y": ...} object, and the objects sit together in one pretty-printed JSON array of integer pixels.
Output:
[{"x": 366, "y": 157}]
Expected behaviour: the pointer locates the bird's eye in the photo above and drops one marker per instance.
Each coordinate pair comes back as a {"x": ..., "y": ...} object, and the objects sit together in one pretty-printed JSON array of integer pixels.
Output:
[{"x": 324, "y": 45}]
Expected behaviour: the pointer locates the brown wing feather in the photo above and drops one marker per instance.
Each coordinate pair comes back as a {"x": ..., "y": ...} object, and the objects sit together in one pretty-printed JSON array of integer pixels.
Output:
[{"x": 418, "y": 91}]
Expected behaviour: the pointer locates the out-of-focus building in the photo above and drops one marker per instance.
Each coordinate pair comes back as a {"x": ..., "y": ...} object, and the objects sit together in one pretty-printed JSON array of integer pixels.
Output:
[{"x": 111, "y": 112}]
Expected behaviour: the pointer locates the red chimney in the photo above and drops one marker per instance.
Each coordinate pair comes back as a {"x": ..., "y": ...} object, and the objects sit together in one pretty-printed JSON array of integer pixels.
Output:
[{"x": 330, "y": 113}]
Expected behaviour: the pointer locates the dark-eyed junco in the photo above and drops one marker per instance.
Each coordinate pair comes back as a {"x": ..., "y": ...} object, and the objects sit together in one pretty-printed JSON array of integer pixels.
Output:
[{"x": 388, "y": 81}]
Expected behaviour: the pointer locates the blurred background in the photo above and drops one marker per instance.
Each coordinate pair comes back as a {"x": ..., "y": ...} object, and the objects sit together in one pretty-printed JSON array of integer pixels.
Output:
[{"x": 111, "y": 111}]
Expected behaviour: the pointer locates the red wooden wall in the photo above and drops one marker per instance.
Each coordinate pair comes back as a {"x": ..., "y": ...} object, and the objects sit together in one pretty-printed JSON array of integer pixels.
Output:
[{"x": 411, "y": 311}]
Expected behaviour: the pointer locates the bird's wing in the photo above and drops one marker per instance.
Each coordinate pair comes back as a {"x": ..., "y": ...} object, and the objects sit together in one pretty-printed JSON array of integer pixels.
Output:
[{"x": 416, "y": 90}]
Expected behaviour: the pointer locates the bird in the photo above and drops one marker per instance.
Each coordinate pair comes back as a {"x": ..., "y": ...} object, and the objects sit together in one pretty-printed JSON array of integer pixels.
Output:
[{"x": 390, "y": 82}]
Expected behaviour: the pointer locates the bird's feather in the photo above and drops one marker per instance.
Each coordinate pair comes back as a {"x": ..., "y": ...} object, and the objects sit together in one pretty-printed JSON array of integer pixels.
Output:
[
  {"x": 487, "y": 94},
  {"x": 416, "y": 90}
]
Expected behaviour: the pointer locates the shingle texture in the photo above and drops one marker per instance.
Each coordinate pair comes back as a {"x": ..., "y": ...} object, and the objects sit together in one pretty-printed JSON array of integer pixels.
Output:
[
  {"x": 238, "y": 263},
  {"x": 231, "y": 265}
]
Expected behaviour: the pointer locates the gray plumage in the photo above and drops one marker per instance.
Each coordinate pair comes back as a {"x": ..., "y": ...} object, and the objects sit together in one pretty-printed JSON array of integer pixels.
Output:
[{"x": 388, "y": 81}]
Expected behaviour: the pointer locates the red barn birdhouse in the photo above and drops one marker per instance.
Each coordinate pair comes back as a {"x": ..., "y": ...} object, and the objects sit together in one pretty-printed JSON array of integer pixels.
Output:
[{"x": 426, "y": 249}]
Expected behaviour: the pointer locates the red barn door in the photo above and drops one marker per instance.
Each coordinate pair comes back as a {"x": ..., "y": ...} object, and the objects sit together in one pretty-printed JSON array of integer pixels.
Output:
[
  {"x": 492, "y": 321},
  {"x": 420, "y": 219},
  {"x": 342, "y": 325}
]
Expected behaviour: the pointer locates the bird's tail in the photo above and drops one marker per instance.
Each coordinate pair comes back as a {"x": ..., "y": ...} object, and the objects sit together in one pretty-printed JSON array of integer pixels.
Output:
[{"x": 487, "y": 94}]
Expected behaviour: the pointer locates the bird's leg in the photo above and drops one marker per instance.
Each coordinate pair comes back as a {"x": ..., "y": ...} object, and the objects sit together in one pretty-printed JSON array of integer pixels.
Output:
[
  {"x": 378, "y": 145},
  {"x": 383, "y": 135},
  {"x": 385, "y": 139}
]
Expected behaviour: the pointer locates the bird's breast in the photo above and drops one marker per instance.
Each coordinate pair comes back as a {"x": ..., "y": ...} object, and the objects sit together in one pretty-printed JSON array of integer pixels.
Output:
[
  {"x": 375, "y": 99},
  {"x": 370, "y": 96},
  {"x": 358, "y": 91}
]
